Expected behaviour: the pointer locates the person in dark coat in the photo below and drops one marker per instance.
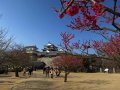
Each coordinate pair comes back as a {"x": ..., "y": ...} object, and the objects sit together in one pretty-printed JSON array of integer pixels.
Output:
[
  {"x": 30, "y": 70},
  {"x": 44, "y": 69},
  {"x": 47, "y": 71}
]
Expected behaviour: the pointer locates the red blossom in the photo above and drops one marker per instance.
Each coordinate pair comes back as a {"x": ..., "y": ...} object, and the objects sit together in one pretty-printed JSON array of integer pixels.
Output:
[
  {"x": 61, "y": 15},
  {"x": 66, "y": 38},
  {"x": 72, "y": 10},
  {"x": 90, "y": 14},
  {"x": 67, "y": 61},
  {"x": 110, "y": 48},
  {"x": 97, "y": 8},
  {"x": 56, "y": 11}
]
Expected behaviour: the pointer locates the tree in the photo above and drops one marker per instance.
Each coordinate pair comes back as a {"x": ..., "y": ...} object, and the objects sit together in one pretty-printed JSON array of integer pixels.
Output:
[
  {"x": 10, "y": 53},
  {"x": 5, "y": 44},
  {"x": 69, "y": 46},
  {"x": 109, "y": 49},
  {"x": 96, "y": 16},
  {"x": 68, "y": 63},
  {"x": 18, "y": 57},
  {"x": 90, "y": 14},
  {"x": 66, "y": 42}
]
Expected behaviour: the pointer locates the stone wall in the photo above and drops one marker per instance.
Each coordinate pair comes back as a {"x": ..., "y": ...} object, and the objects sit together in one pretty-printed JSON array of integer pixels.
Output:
[{"x": 46, "y": 60}]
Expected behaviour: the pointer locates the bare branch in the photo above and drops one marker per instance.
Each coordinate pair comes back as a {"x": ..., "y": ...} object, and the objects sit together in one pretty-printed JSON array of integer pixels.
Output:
[
  {"x": 70, "y": 3},
  {"x": 113, "y": 22},
  {"x": 110, "y": 10}
]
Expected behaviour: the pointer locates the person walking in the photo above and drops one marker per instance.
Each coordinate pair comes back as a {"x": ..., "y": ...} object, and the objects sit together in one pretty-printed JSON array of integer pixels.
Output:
[
  {"x": 24, "y": 71},
  {"x": 30, "y": 71},
  {"x": 52, "y": 72},
  {"x": 47, "y": 71}
]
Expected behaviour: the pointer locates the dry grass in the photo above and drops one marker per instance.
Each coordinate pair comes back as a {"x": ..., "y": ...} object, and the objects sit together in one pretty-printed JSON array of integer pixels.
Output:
[{"x": 76, "y": 81}]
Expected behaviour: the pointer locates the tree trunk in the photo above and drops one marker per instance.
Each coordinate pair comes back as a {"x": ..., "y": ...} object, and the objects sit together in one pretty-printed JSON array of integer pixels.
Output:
[
  {"x": 114, "y": 71},
  {"x": 6, "y": 71},
  {"x": 100, "y": 70},
  {"x": 65, "y": 79},
  {"x": 16, "y": 72}
]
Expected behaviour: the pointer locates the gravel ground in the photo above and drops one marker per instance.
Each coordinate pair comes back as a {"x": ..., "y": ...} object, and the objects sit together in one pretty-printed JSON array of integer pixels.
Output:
[{"x": 76, "y": 81}]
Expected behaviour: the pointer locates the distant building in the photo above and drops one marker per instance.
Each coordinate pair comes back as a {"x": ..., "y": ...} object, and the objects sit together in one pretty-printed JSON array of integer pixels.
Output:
[
  {"x": 46, "y": 55},
  {"x": 49, "y": 50},
  {"x": 50, "y": 47},
  {"x": 32, "y": 51}
]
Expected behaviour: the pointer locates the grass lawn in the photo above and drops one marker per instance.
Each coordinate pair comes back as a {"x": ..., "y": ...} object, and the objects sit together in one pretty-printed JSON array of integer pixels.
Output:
[{"x": 76, "y": 81}]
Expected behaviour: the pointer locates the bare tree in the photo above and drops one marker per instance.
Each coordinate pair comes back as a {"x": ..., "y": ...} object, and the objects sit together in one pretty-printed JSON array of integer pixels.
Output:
[
  {"x": 5, "y": 43},
  {"x": 18, "y": 57},
  {"x": 11, "y": 53}
]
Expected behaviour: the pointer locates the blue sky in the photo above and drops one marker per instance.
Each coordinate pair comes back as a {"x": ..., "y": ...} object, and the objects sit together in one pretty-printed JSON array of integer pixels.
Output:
[{"x": 33, "y": 22}]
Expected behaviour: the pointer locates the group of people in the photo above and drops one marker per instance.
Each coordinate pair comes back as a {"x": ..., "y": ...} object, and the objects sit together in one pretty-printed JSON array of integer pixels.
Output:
[
  {"x": 50, "y": 71},
  {"x": 29, "y": 70}
]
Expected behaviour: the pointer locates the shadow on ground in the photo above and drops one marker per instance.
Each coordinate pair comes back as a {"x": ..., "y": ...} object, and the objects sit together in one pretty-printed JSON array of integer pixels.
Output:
[
  {"x": 51, "y": 85},
  {"x": 95, "y": 82},
  {"x": 34, "y": 85}
]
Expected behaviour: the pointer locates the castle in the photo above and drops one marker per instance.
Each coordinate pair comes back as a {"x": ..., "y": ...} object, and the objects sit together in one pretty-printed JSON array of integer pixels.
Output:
[{"x": 46, "y": 55}]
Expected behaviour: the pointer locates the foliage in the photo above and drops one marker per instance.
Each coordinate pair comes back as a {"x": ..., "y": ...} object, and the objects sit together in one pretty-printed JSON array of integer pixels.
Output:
[
  {"x": 38, "y": 65},
  {"x": 67, "y": 62},
  {"x": 109, "y": 49}
]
